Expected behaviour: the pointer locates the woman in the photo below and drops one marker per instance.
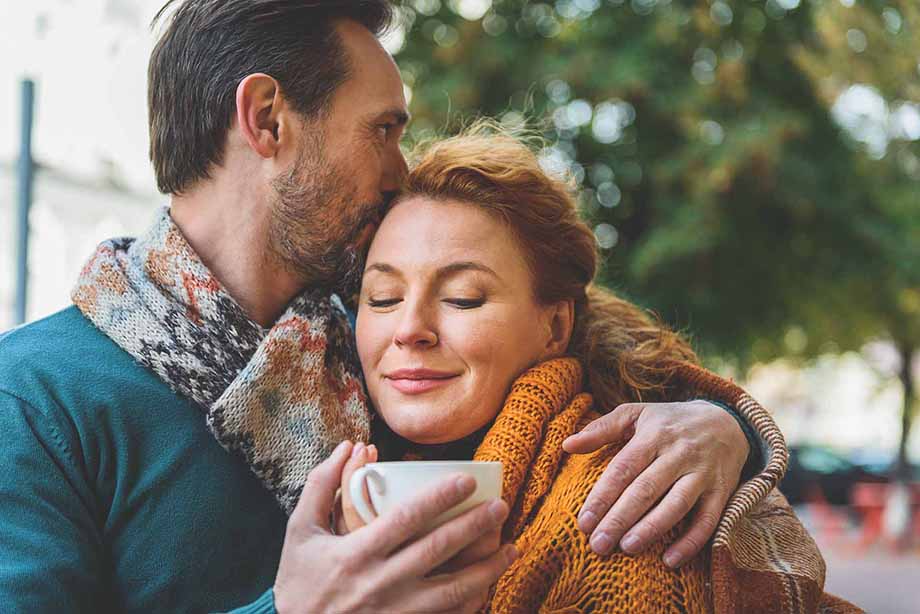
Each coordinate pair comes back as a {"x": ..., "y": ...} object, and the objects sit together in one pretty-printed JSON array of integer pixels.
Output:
[{"x": 477, "y": 284}]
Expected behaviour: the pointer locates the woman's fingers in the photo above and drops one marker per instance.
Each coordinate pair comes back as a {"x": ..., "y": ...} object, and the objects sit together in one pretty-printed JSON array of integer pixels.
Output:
[
  {"x": 614, "y": 427},
  {"x": 704, "y": 525},
  {"x": 360, "y": 456},
  {"x": 671, "y": 510},
  {"x": 635, "y": 501},
  {"x": 625, "y": 467},
  {"x": 318, "y": 495}
]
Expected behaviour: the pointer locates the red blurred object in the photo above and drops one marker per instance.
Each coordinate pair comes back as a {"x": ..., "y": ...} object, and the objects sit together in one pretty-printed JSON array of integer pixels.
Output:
[{"x": 870, "y": 500}]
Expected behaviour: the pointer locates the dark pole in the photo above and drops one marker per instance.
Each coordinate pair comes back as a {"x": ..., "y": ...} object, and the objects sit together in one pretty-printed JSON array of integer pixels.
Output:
[{"x": 24, "y": 200}]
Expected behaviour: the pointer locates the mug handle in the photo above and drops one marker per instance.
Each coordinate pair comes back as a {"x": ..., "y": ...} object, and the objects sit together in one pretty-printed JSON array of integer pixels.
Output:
[{"x": 356, "y": 490}]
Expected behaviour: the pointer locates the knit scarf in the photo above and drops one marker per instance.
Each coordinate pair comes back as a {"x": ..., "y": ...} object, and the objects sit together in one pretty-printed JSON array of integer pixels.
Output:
[
  {"x": 761, "y": 560},
  {"x": 282, "y": 398}
]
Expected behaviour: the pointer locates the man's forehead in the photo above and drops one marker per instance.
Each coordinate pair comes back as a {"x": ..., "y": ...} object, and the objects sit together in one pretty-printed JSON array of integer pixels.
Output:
[{"x": 367, "y": 55}]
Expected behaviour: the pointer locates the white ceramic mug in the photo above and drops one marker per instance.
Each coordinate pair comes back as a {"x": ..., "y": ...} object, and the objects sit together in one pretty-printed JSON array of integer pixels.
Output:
[{"x": 394, "y": 483}]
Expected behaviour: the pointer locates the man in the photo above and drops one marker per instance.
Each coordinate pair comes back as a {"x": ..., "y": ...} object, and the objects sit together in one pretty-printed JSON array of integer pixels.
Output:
[{"x": 275, "y": 126}]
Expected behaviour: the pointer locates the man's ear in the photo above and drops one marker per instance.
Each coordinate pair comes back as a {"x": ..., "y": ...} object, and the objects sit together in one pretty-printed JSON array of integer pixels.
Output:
[
  {"x": 259, "y": 106},
  {"x": 561, "y": 321}
]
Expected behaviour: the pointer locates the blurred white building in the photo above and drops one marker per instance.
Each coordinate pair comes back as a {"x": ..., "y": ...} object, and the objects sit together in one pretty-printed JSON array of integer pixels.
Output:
[{"x": 69, "y": 217}]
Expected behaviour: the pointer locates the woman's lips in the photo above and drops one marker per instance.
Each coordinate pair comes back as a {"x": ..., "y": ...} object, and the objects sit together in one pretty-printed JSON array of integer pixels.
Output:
[{"x": 417, "y": 381}]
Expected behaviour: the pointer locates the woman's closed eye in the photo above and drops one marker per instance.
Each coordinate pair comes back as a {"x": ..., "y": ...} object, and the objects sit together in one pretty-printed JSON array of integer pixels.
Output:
[
  {"x": 382, "y": 303},
  {"x": 465, "y": 303}
]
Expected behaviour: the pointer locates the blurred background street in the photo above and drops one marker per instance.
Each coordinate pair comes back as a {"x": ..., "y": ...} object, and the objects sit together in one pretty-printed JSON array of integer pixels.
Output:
[
  {"x": 878, "y": 579},
  {"x": 751, "y": 169}
]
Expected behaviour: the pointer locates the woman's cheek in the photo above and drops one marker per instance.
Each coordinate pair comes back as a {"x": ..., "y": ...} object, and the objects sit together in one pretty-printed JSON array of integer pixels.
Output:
[
  {"x": 372, "y": 340},
  {"x": 491, "y": 349}
]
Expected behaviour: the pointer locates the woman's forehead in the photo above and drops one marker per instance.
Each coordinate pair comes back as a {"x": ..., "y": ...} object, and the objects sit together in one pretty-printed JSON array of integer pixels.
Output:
[{"x": 421, "y": 231}]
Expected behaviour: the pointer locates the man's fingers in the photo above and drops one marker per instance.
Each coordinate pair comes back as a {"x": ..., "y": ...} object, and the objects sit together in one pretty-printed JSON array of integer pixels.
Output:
[
  {"x": 635, "y": 501},
  {"x": 318, "y": 494},
  {"x": 625, "y": 467},
  {"x": 397, "y": 526},
  {"x": 442, "y": 544},
  {"x": 704, "y": 525},
  {"x": 615, "y": 427},
  {"x": 672, "y": 509},
  {"x": 467, "y": 589}
]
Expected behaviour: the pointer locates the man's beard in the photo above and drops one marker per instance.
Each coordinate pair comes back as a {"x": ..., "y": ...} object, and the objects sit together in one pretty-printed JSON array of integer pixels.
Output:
[{"x": 315, "y": 223}]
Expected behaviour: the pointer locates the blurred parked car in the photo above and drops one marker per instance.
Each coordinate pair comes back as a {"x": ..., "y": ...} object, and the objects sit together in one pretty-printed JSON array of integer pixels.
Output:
[{"x": 818, "y": 471}]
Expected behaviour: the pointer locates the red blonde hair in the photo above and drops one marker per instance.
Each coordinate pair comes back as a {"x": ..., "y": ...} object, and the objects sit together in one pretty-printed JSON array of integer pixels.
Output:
[{"x": 628, "y": 355}]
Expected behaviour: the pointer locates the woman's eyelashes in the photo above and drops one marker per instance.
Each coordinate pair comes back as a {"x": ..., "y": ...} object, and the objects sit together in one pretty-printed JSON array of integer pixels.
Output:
[
  {"x": 456, "y": 302},
  {"x": 382, "y": 303},
  {"x": 465, "y": 303}
]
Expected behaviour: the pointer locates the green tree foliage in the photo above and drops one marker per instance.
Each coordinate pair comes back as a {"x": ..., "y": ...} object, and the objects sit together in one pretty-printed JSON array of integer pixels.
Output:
[
  {"x": 877, "y": 47},
  {"x": 707, "y": 140}
]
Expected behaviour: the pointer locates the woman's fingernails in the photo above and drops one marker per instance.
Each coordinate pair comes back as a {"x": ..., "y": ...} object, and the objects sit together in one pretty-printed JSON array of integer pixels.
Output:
[
  {"x": 601, "y": 543},
  {"x": 511, "y": 554},
  {"x": 630, "y": 544},
  {"x": 357, "y": 450}
]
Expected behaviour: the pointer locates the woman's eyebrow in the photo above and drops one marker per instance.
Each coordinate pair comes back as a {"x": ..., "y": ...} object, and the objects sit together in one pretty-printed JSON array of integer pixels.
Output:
[
  {"x": 381, "y": 267},
  {"x": 458, "y": 267},
  {"x": 444, "y": 271}
]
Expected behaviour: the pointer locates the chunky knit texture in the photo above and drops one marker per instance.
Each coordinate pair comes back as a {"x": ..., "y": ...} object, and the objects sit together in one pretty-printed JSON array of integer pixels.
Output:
[
  {"x": 761, "y": 560},
  {"x": 282, "y": 398}
]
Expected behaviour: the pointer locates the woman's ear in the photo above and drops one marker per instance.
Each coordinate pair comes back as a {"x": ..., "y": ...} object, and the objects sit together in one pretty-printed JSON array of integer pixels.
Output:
[{"x": 561, "y": 320}]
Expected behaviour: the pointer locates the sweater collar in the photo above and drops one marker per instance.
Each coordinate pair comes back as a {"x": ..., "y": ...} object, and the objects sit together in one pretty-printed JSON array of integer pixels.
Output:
[{"x": 543, "y": 408}]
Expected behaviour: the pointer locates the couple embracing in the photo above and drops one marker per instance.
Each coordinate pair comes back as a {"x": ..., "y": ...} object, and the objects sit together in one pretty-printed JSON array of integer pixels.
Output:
[{"x": 310, "y": 303}]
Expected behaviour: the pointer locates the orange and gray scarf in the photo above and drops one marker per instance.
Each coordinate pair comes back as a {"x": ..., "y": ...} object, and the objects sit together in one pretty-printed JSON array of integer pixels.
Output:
[{"x": 282, "y": 398}]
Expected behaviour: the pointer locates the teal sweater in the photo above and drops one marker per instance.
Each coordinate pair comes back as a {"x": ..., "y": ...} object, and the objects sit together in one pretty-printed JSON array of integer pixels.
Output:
[{"x": 114, "y": 496}]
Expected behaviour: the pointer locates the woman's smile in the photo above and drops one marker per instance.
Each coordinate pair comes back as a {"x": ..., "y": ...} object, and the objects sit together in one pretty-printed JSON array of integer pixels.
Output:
[{"x": 419, "y": 381}]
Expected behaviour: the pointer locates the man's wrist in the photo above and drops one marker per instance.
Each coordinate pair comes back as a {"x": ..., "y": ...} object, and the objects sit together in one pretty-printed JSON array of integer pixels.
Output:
[{"x": 754, "y": 462}]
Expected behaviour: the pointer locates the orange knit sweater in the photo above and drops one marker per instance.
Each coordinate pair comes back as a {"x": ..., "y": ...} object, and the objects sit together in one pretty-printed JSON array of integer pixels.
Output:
[{"x": 545, "y": 489}]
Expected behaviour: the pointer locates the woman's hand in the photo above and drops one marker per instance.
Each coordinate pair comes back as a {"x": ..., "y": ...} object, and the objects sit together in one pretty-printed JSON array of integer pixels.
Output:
[
  {"x": 687, "y": 455},
  {"x": 347, "y": 519}
]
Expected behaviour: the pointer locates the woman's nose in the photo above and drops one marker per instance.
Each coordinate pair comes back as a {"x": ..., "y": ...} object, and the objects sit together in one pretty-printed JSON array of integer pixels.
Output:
[{"x": 415, "y": 331}]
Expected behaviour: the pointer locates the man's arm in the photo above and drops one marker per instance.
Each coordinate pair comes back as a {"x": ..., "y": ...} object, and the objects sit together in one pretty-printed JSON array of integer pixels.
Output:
[{"x": 50, "y": 553}]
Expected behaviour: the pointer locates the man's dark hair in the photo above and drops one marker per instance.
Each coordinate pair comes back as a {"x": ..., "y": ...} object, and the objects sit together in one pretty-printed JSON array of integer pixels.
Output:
[{"x": 209, "y": 46}]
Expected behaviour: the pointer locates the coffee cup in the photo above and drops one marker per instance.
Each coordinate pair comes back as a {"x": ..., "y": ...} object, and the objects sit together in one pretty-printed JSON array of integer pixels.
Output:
[{"x": 391, "y": 484}]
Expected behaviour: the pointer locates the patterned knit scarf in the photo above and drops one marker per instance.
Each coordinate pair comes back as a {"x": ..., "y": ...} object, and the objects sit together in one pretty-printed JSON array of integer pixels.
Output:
[{"x": 282, "y": 398}]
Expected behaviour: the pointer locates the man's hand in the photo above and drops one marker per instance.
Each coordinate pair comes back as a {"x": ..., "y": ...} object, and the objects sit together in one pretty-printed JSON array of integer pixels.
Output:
[
  {"x": 385, "y": 566},
  {"x": 689, "y": 453}
]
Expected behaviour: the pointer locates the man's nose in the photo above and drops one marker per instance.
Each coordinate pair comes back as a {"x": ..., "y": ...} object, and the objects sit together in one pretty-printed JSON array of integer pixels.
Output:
[{"x": 395, "y": 172}]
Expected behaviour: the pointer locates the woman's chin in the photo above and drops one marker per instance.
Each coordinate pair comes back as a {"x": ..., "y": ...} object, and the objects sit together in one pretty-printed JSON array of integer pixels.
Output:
[
  {"x": 426, "y": 436},
  {"x": 433, "y": 433}
]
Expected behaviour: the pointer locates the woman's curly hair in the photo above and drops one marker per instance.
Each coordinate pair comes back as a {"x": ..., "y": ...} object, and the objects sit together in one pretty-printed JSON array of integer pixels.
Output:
[{"x": 628, "y": 354}]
